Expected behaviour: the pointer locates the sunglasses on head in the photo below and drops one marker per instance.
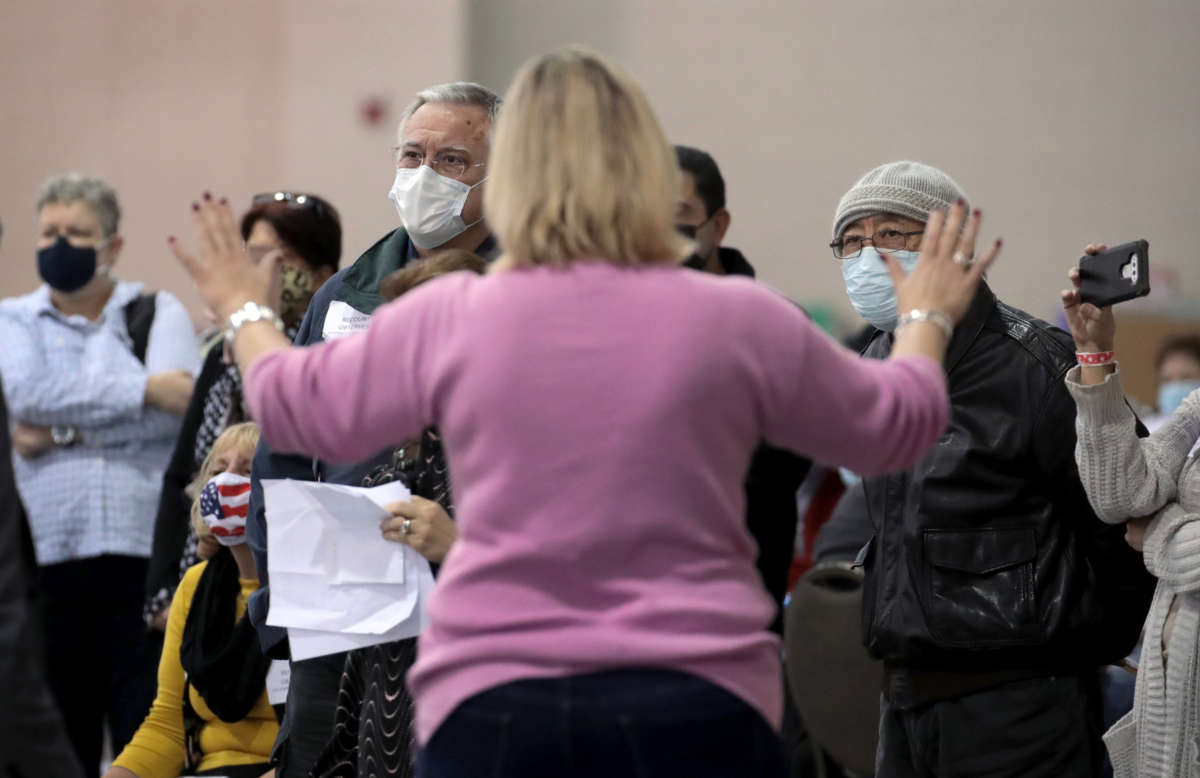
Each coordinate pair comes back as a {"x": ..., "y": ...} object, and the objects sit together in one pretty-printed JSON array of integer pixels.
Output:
[{"x": 296, "y": 200}]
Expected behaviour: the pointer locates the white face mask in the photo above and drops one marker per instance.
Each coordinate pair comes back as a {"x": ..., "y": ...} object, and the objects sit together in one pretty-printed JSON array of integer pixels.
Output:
[{"x": 430, "y": 205}]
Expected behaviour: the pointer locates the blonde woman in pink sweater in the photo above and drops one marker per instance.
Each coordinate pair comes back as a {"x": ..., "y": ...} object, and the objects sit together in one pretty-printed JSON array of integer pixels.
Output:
[{"x": 600, "y": 613}]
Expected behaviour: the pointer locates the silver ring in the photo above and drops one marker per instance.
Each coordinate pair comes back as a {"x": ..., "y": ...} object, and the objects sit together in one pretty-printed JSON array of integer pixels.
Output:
[
  {"x": 959, "y": 258},
  {"x": 406, "y": 527}
]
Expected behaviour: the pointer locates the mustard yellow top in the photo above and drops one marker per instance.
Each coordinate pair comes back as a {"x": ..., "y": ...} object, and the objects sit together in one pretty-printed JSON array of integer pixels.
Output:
[{"x": 156, "y": 751}]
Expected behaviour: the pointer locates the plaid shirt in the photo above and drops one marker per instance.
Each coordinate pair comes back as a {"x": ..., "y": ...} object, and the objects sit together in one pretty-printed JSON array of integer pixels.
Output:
[{"x": 97, "y": 497}]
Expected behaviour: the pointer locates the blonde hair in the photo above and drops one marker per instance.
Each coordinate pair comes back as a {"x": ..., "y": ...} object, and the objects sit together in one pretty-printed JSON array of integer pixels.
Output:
[
  {"x": 238, "y": 437},
  {"x": 580, "y": 168}
]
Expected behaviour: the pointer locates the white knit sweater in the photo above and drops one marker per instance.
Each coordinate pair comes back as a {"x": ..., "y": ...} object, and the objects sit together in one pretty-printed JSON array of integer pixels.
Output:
[{"x": 1127, "y": 477}]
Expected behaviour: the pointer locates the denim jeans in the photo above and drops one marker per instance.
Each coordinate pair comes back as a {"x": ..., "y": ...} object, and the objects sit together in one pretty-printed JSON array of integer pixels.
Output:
[{"x": 642, "y": 723}]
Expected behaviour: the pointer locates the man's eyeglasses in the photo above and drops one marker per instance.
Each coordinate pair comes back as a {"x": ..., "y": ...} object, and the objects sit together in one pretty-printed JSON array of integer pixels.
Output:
[
  {"x": 297, "y": 200},
  {"x": 451, "y": 164},
  {"x": 689, "y": 230},
  {"x": 885, "y": 241}
]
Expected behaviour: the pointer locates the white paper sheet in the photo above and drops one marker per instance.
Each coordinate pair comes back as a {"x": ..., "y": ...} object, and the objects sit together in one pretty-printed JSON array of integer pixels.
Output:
[
  {"x": 335, "y": 582},
  {"x": 308, "y": 643}
]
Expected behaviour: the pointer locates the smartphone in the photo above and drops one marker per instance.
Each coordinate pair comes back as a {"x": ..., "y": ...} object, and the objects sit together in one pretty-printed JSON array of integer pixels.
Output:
[{"x": 1115, "y": 275}]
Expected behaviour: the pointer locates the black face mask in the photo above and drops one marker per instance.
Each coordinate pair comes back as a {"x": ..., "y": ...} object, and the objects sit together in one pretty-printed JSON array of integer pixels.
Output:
[
  {"x": 65, "y": 267},
  {"x": 695, "y": 261}
]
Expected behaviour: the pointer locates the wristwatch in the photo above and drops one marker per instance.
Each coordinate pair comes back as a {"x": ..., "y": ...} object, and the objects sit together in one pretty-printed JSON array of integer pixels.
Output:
[
  {"x": 64, "y": 436},
  {"x": 248, "y": 314}
]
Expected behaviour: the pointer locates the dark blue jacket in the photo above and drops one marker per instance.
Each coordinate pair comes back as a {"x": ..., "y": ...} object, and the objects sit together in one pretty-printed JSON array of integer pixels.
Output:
[{"x": 358, "y": 287}]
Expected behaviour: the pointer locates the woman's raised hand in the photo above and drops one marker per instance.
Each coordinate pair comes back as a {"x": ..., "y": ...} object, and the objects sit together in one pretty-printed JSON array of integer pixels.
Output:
[
  {"x": 224, "y": 274},
  {"x": 945, "y": 277},
  {"x": 1093, "y": 328}
]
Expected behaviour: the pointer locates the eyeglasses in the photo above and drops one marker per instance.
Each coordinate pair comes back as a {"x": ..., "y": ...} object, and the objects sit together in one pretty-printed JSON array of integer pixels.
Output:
[
  {"x": 689, "y": 230},
  {"x": 885, "y": 241},
  {"x": 297, "y": 200},
  {"x": 449, "y": 163}
]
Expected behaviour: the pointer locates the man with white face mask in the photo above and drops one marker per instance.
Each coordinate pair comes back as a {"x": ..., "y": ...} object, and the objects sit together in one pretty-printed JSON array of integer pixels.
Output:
[
  {"x": 440, "y": 167},
  {"x": 441, "y": 161},
  {"x": 993, "y": 593}
]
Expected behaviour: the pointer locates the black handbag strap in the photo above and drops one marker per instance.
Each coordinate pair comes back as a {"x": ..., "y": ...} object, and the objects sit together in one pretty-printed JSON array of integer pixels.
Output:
[{"x": 139, "y": 315}]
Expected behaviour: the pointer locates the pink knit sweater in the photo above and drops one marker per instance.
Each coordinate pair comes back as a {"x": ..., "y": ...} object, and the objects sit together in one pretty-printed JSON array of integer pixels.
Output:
[{"x": 598, "y": 422}]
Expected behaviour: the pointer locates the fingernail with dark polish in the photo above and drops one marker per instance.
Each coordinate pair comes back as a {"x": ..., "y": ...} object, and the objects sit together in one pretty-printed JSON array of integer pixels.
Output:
[
  {"x": 224, "y": 201},
  {"x": 170, "y": 239},
  {"x": 195, "y": 206},
  {"x": 960, "y": 201},
  {"x": 207, "y": 196},
  {"x": 978, "y": 213}
]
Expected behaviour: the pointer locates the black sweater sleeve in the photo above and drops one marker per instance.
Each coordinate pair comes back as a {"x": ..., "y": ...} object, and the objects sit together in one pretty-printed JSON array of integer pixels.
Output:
[{"x": 171, "y": 521}]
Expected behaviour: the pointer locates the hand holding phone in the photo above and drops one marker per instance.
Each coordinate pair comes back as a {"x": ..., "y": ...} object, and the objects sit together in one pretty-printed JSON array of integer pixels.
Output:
[
  {"x": 1093, "y": 328},
  {"x": 1115, "y": 275}
]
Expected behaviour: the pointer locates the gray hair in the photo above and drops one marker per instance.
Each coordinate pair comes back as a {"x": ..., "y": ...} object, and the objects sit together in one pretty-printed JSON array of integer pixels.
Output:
[
  {"x": 75, "y": 186},
  {"x": 455, "y": 93}
]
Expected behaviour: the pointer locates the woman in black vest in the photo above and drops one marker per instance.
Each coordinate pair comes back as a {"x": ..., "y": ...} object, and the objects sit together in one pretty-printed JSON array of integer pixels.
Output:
[{"x": 373, "y": 728}]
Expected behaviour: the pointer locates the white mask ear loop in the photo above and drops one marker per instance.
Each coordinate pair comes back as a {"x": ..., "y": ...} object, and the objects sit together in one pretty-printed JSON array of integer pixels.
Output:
[
  {"x": 106, "y": 268},
  {"x": 477, "y": 183}
]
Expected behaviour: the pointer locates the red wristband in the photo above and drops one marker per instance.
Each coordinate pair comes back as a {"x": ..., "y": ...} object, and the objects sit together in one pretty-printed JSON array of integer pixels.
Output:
[{"x": 1093, "y": 358}]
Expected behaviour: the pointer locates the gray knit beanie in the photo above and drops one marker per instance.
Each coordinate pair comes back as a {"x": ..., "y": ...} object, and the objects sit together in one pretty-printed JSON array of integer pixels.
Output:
[{"x": 904, "y": 188}]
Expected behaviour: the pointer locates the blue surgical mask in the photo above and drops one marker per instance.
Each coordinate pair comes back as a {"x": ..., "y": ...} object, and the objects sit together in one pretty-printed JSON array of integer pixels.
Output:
[
  {"x": 869, "y": 286},
  {"x": 1172, "y": 393}
]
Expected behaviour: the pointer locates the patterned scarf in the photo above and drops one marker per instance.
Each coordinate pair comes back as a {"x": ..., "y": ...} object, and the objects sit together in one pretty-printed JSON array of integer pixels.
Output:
[{"x": 223, "y": 405}]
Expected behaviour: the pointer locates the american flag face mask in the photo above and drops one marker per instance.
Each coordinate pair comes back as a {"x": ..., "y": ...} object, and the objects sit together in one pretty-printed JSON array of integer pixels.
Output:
[{"x": 223, "y": 504}]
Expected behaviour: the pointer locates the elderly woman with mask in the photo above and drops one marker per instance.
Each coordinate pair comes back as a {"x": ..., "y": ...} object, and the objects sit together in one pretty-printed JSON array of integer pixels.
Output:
[
  {"x": 601, "y": 605},
  {"x": 212, "y": 715}
]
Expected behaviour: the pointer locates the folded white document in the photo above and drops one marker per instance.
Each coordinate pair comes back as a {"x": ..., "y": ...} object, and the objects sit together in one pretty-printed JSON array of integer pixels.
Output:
[
  {"x": 307, "y": 643},
  {"x": 335, "y": 582}
]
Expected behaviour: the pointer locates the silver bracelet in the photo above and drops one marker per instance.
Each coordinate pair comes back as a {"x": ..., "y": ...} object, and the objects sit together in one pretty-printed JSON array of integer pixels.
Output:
[
  {"x": 933, "y": 317},
  {"x": 248, "y": 314}
]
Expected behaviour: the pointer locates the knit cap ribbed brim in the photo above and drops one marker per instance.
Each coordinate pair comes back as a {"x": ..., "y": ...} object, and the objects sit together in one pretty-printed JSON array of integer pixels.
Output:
[{"x": 905, "y": 188}]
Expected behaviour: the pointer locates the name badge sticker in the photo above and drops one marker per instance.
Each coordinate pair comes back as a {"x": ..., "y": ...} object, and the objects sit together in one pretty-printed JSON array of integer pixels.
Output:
[
  {"x": 278, "y": 676},
  {"x": 341, "y": 320}
]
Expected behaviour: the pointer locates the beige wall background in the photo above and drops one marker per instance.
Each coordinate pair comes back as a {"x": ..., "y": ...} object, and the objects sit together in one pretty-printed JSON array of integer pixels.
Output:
[
  {"x": 1066, "y": 122},
  {"x": 167, "y": 99}
]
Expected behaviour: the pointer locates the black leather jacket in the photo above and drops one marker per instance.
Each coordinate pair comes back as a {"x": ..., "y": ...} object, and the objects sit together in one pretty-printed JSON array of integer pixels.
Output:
[{"x": 987, "y": 555}]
